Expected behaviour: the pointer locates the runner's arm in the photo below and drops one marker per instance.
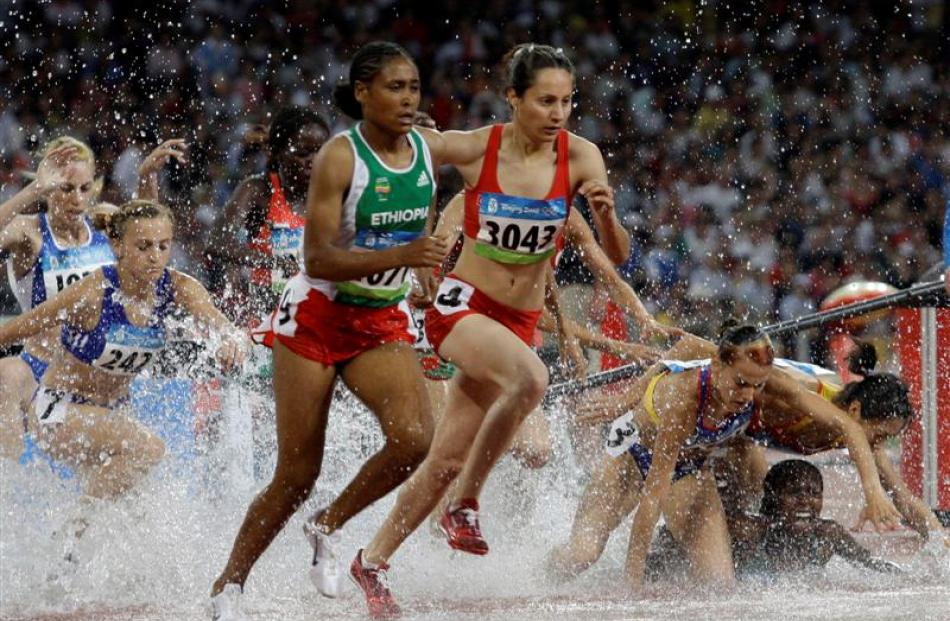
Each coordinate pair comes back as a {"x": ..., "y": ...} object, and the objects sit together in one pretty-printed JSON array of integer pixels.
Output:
[
  {"x": 191, "y": 296},
  {"x": 674, "y": 411},
  {"x": 230, "y": 241},
  {"x": 581, "y": 236},
  {"x": 458, "y": 148},
  {"x": 610, "y": 406},
  {"x": 75, "y": 304},
  {"x": 879, "y": 509},
  {"x": 845, "y": 546},
  {"x": 600, "y": 198},
  {"x": 915, "y": 511}
]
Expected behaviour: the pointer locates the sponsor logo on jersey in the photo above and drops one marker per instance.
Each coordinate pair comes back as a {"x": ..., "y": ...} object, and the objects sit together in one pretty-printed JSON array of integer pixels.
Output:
[{"x": 382, "y": 188}]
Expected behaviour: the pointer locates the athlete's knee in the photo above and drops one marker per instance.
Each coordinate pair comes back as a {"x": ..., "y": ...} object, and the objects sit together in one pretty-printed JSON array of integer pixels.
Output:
[
  {"x": 575, "y": 557},
  {"x": 410, "y": 444},
  {"x": 530, "y": 383},
  {"x": 534, "y": 455},
  {"x": 295, "y": 482},
  {"x": 406, "y": 455}
]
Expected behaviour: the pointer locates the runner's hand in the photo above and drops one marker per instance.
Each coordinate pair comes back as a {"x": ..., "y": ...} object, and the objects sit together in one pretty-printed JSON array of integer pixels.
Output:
[
  {"x": 51, "y": 173},
  {"x": 636, "y": 352},
  {"x": 422, "y": 119},
  {"x": 232, "y": 352},
  {"x": 427, "y": 251},
  {"x": 170, "y": 149},
  {"x": 424, "y": 291},
  {"x": 599, "y": 195},
  {"x": 652, "y": 328},
  {"x": 880, "y": 512},
  {"x": 572, "y": 358}
]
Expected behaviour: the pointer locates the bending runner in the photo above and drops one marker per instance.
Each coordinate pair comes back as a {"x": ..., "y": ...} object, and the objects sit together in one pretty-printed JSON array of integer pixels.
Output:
[
  {"x": 47, "y": 252},
  {"x": 112, "y": 327},
  {"x": 634, "y": 438}
]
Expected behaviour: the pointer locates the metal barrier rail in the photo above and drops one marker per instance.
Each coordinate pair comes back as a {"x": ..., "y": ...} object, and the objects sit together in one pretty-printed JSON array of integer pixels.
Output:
[{"x": 924, "y": 294}]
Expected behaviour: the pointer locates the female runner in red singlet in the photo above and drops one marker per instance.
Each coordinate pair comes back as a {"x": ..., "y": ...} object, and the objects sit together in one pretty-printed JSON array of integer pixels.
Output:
[{"x": 520, "y": 180}]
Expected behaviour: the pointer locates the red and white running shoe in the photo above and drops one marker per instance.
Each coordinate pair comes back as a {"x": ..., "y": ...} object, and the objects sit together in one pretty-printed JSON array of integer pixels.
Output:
[
  {"x": 375, "y": 585},
  {"x": 460, "y": 527}
]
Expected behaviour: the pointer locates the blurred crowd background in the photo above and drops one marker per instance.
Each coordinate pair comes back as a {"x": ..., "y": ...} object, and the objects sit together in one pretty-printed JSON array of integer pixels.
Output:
[{"x": 763, "y": 153}]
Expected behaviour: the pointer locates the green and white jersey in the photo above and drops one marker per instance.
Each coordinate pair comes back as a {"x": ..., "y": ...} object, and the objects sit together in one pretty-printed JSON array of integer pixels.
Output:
[{"x": 385, "y": 207}]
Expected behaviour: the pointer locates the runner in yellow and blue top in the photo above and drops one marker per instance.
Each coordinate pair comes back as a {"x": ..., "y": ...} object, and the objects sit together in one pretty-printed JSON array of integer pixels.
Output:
[
  {"x": 346, "y": 315},
  {"x": 791, "y": 392}
]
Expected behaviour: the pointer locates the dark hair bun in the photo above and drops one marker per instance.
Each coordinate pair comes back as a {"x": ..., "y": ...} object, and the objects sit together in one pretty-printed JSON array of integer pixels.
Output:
[
  {"x": 345, "y": 100},
  {"x": 863, "y": 359},
  {"x": 727, "y": 325}
]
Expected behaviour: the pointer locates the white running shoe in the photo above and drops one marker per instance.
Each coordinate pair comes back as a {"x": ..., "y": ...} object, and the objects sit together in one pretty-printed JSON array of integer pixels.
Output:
[
  {"x": 226, "y": 605},
  {"x": 325, "y": 570}
]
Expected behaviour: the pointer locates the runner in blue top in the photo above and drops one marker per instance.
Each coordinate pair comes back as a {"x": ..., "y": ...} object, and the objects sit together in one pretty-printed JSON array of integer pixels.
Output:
[
  {"x": 113, "y": 328},
  {"x": 45, "y": 253}
]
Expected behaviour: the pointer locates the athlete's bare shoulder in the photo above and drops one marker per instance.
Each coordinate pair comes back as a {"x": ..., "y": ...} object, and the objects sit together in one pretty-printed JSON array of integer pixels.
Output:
[
  {"x": 676, "y": 392},
  {"x": 336, "y": 147},
  {"x": 456, "y": 147},
  {"x": 252, "y": 188},
  {"x": 22, "y": 233},
  {"x": 258, "y": 182},
  {"x": 581, "y": 148},
  {"x": 333, "y": 164}
]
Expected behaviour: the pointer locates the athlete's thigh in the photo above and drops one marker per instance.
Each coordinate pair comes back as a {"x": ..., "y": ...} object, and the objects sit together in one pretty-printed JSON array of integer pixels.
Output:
[
  {"x": 694, "y": 514},
  {"x": 390, "y": 382},
  {"x": 303, "y": 389},
  {"x": 488, "y": 351},
  {"x": 17, "y": 381},
  {"x": 613, "y": 492},
  {"x": 16, "y": 387},
  {"x": 86, "y": 435}
]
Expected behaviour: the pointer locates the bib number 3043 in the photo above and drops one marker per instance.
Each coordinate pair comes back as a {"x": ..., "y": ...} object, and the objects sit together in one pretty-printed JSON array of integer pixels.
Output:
[{"x": 520, "y": 237}]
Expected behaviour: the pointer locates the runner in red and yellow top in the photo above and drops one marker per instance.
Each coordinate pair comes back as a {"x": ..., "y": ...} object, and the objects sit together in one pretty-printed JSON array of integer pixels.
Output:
[
  {"x": 259, "y": 248},
  {"x": 345, "y": 315},
  {"x": 520, "y": 178}
]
